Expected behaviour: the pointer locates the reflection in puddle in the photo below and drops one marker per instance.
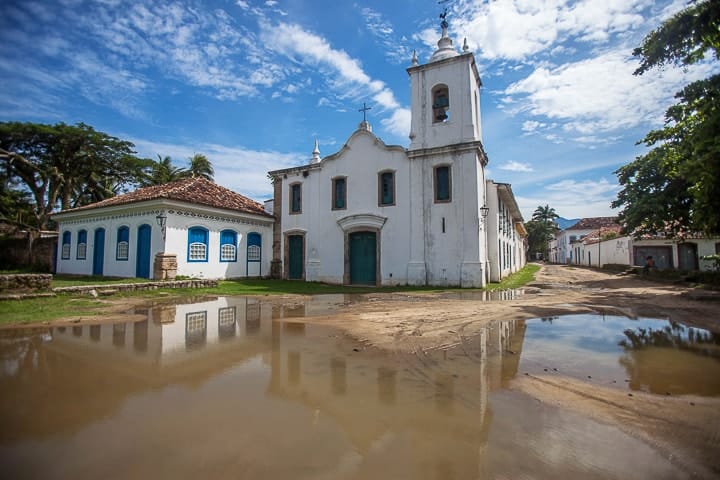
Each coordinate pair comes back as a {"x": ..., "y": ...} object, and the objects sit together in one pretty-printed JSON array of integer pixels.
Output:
[
  {"x": 239, "y": 388},
  {"x": 655, "y": 356}
]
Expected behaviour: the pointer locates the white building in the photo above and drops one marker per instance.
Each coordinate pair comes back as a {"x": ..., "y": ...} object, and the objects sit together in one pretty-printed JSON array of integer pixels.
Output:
[
  {"x": 377, "y": 214},
  {"x": 213, "y": 232},
  {"x": 566, "y": 244},
  {"x": 668, "y": 253}
]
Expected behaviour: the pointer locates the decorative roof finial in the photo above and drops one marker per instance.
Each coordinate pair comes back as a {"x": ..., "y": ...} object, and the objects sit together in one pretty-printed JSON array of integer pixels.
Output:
[
  {"x": 414, "y": 58},
  {"x": 465, "y": 45},
  {"x": 316, "y": 153},
  {"x": 443, "y": 18}
]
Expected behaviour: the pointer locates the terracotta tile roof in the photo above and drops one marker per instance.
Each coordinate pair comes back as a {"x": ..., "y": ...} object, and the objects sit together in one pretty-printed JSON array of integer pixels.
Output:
[
  {"x": 594, "y": 223},
  {"x": 596, "y": 235},
  {"x": 195, "y": 190}
]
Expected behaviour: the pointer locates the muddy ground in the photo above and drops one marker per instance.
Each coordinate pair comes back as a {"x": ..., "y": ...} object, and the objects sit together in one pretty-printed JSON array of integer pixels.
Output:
[{"x": 685, "y": 429}]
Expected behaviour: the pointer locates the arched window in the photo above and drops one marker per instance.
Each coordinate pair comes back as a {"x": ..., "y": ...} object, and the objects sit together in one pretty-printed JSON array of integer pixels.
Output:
[
  {"x": 197, "y": 244},
  {"x": 228, "y": 246},
  {"x": 81, "y": 252},
  {"x": 65, "y": 252},
  {"x": 440, "y": 103},
  {"x": 254, "y": 247},
  {"x": 122, "y": 251}
]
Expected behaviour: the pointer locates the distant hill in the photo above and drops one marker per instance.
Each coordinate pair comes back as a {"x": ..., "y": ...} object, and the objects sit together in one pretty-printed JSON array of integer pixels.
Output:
[{"x": 564, "y": 223}]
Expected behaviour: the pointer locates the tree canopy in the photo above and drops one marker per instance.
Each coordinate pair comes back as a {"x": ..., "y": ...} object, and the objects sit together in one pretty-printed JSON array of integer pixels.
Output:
[
  {"x": 541, "y": 229},
  {"x": 62, "y": 166},
  {"x": 675, "y": 187}
]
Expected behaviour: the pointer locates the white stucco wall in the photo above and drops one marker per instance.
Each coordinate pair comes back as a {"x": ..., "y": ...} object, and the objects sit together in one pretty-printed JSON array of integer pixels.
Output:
[
  {"x": 180, "y": 217},
  {"x": 111, "y": 222}
]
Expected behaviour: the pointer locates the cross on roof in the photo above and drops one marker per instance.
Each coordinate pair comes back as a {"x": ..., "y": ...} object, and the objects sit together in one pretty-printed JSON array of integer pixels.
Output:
[{"x": 364, "y": 110}]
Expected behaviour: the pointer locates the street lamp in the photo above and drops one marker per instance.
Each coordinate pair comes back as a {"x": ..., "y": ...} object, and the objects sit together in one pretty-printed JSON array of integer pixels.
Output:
[
  {"x": 162, "y": 221},
  {"x": 484, "y": 210}
]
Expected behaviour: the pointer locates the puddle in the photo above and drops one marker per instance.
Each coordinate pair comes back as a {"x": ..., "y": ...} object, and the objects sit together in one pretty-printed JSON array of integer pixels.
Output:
[
  {"x": 239, "y": 388},
  {"x": 655, "y": 356}
]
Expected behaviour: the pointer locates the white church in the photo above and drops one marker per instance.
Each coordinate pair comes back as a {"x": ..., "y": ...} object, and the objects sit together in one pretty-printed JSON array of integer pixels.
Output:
[
  {"x": 377, "y": 214},
  {"x": 369, "y": 214}
]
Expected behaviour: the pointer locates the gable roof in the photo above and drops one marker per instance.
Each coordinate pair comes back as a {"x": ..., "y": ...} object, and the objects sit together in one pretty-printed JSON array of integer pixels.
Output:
[
  {"x": 594, "y": 223},
  {"x": 195, "y": 190}
]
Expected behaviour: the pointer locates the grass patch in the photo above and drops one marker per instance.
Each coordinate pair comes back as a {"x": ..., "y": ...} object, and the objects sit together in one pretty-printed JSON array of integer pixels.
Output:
[
  {"x": 80, "y": 280},
  {"x": 34, "y": 310},
  {"x": 73, "y": 306},
  {"x": 279, "y": 287},
  {"x": 517, "y": 279}
]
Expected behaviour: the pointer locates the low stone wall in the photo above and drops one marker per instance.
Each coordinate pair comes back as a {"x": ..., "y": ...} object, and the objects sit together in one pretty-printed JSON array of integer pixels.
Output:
[
  {"x": 25, "y": 281},
  {"x": 110, "y": 288}
]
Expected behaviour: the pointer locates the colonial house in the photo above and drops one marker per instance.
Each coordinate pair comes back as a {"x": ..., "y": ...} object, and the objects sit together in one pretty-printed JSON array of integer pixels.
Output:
[
  {"x": 565, "y": 246},
  {"x": 211, "y": 232},
  {"x": 377, "y": 214}
]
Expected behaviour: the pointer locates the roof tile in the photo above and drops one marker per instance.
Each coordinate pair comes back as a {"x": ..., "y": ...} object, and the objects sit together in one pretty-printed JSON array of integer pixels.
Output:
[{"x": 196, "y": 190}]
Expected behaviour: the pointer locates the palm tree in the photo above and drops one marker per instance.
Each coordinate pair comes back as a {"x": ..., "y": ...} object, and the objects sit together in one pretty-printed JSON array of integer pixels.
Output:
[
  {"x": 162, "y": 171},
  {"x": 200, "y": 166},
  {"x": 544, "y": 214}
]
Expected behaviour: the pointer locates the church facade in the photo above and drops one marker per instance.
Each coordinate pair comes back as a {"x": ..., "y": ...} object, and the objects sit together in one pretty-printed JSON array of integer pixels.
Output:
[{"x": 377, "y": 214}]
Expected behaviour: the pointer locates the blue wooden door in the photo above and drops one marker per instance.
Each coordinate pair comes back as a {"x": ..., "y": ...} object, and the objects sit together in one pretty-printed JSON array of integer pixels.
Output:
[
  {"x": 99, "y": 252},
  {"x": 142, "y": 257}
]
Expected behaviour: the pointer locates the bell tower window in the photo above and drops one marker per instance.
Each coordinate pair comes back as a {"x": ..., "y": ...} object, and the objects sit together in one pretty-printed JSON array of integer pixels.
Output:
[{"x": 440, "y": 103}]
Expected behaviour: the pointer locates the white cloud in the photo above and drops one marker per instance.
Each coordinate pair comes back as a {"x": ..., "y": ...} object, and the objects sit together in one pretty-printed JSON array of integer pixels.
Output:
[
  {"x": 346, "y": 76},
  {"x": 237, "y": 168},
  {"x": 573, "y": 199},
  {"x": 514, "y": 166},
  {"x": 380, "y": 28},
  {"x": 518, "y": 29},
  {"x": 598, "y": 94},
  {"x": 398, "y": 123}
]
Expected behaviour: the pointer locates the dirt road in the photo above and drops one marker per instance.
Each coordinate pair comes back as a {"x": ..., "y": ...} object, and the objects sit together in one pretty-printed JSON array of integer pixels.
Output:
[{"x": 412, "y": 322}]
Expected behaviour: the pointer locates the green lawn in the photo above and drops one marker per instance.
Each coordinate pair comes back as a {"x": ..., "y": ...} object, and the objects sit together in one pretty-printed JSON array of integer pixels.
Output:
[{"x": 69, "y": 306}]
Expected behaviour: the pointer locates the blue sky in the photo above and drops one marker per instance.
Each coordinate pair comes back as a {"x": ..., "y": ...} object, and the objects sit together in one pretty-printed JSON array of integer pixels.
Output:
[{"x": 251, "y": 84}]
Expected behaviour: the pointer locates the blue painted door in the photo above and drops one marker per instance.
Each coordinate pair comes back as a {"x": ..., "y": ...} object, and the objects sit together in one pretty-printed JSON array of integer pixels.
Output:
[
  {"x": 363, "y": 250},
  {"x": 99, "y": 252},
  {"x": 142, "y": 257}
]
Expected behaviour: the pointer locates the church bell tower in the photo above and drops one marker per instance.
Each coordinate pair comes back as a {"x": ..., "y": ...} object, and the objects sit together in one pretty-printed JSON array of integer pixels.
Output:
[
  {"x": 445, "y": 97},
  {"x": 447, "y": 164}
]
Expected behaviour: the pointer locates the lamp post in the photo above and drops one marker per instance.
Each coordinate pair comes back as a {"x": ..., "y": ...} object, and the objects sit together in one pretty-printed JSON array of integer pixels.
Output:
[{"x": 161, "y": 219}]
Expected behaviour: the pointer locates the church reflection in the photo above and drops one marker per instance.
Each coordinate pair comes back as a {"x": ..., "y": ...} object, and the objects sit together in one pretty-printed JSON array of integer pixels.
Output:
[{"x": 437, "y": 402}]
